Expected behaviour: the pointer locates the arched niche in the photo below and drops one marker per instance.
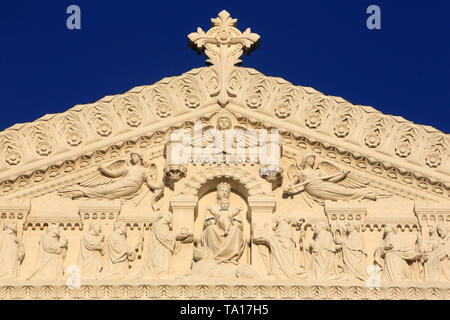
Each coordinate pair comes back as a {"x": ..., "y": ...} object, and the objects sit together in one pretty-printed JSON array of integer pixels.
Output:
[
  {"x": 207, "y": 196},
  {"x": 202, "y": 182}
]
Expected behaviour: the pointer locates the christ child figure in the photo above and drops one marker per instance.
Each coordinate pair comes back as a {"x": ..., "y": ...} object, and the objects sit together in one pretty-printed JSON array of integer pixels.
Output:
[{"x": 224, "y": 215}]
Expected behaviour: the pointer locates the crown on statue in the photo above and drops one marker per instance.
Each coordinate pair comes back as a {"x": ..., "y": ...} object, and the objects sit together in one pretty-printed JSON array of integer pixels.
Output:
[{"x": 224, "y": 186}]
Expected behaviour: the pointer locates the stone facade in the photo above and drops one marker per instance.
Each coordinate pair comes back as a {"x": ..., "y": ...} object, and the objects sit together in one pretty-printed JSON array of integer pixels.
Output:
[{"x": 95, "y": 205}]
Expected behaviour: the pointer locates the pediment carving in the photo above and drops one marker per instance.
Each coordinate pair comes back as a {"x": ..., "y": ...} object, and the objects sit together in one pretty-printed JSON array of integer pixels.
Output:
[
  {"x": 402, "y": 150},
  {"x": 355, "y": 203}
]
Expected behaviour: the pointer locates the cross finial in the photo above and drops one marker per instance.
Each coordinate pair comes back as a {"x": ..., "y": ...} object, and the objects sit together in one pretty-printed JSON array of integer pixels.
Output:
[{"x": 224, "y": 46}]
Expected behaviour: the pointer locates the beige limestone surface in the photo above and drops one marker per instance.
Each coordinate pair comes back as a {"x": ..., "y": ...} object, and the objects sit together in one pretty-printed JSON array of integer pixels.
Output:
[{"x": 95, "y": 204}]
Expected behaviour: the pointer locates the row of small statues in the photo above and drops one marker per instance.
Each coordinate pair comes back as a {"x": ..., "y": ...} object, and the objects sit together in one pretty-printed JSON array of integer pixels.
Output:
[
  {"x": 327, "y": 257},
  {"x": 98, "y": 258},
  {"x": 342, "y": 256}
]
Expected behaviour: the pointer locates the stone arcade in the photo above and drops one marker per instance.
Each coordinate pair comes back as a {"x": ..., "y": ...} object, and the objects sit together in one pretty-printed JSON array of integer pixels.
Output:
[{"x": 93, "y": 204}]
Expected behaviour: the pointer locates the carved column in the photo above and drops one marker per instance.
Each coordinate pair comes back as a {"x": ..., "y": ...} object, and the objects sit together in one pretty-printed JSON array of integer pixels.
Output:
[
  {"x": 183, "y": 210},
  {"x": 262, "y": 209}
]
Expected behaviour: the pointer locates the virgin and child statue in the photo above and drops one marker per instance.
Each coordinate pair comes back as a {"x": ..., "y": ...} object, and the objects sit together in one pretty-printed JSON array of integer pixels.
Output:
[{"x": 223, "y": 230}]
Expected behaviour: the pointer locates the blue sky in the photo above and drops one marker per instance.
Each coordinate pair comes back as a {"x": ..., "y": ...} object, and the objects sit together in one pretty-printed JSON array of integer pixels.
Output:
[{"x": 402, "y": 69}]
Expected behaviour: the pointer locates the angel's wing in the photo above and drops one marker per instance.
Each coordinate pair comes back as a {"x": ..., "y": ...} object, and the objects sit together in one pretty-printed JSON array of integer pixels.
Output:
[
  {"x": 245, "y": 137},
  {"x": 203, "y": 139},
  {"x": 98, "y": 179},
  {"x": 327, "y": 168},
  {"x": 293, "y": 187},
  {"x": 351, "y": 181},
  {"x": 292, "y": 172}
]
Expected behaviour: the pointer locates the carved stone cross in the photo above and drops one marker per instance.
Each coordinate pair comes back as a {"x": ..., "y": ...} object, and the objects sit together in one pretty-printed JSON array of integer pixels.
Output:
[{"x": 224, "y": 45}]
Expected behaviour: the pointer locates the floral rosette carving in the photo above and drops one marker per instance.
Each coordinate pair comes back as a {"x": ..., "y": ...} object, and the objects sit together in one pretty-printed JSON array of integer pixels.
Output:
[
  {"x": 373, "y": 139},
  {"x": 134, "y": 119},
  {"x": 158, "y": 101},
  {"x": 100, "y": 119},
  {"x": 74, "y": 138},
  {"x": 438, "y": 149},
  {"x": 104, "y": 128},
  {"x": 41, "y": 139},
  {"x": 341, "y": 130},
  {"x": 406, "y": 140},
  {"x": 287, "y": 102},
  {"x": 12, "y": 157},
  {"x": 376, "y": 131},
  {"x": 43, "y": 148},
  {"x": 344, "y": 119},
  {"x": 258, "y": 93},
  {"x": 283, "y": 110},
  {"x": 313, "y": 120},
  {"x": 403, "y": 149},
  {"x": 315, "y": 111},
  {"x": 10, "y": 147},
  {"x": 254, "y": 101},
  {"x": 192, "y": 101},
  {"x": 163, "y": 110},
  {"x": 433, "y": 159},
  {"x": 130, "y": 110},
  {"x": 189, "y": 92},
  {"x": 71, "y": 129}
]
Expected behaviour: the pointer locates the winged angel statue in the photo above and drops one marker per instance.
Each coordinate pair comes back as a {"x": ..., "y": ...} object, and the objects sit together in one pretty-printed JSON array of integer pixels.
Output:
[
  {"x": 120, "y": 181},
  {"x": 326, "y": 182},
  {"x": 217, "y": 140}
]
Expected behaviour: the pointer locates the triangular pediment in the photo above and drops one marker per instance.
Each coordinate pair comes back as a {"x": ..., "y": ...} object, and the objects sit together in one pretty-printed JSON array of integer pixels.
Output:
[
  {"x": 283, "y": 194},
  {"x": 384, "y": 146}
]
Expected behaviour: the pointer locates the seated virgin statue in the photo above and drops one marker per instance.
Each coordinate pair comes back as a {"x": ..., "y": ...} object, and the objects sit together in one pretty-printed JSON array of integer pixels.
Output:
[{"x": 223, "y": 234}]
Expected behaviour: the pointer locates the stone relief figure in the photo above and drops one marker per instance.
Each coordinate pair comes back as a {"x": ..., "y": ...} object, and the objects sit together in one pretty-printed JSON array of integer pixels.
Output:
[
  {"x": 284, "y": 258},
  {"x": 92, "y": 249},
  {"x": 323, "y": 254},
  {"x": 163, "y": 245},
  {"x": 51, "y": 254},
  {"x": 304, "y": 246},
  {"x": 12, "y": 251},
  {"x": 430, "y": 260},
  {"x": 225, "y": 246},
  {"x": 119, "y": 181},
  {"x": 395, "y": 257},
  {"x": 325, "y": 181},
  {"x": 444, "y": 251},
  {"x": 224, "y": 215},
  {"x": 339, "y": 235},
  {"x": 118, "y": 254},
  {"x": 224, "y": 124},
  {"x": 204, "y": 266},
  {"x": 354, "y": 255}
]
